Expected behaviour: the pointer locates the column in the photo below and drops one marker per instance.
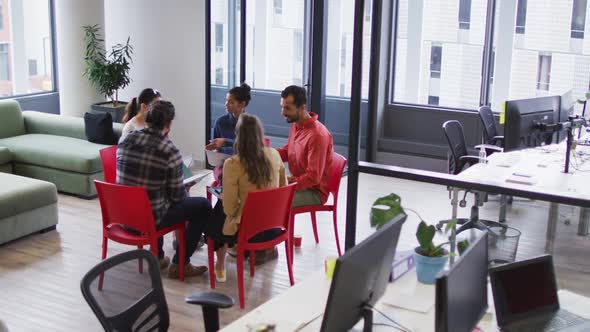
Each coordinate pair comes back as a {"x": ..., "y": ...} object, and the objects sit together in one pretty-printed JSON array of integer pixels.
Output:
[{"x": 75, "y": 92}]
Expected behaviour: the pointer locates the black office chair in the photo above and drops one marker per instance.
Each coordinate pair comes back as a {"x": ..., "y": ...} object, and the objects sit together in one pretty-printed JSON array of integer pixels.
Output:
[
  {"x": 132, "y": 297},
  {"x": 459, "y": 159},
  {"x": 493, "y": 143},
  {"x": 490, "y": 134}
]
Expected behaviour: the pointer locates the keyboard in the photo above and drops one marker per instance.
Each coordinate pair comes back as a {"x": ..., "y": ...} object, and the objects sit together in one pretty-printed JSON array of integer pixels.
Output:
[{"x": 561, "y": 320}]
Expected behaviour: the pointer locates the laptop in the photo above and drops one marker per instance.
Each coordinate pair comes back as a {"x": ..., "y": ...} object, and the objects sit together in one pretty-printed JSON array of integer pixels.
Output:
[{"x": 525, "y": 298}]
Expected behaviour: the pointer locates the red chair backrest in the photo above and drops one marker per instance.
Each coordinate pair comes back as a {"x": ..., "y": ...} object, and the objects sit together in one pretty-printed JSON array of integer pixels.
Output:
[
  {"x": 338, "y": 164},
  {"x": 108, "y": 158},
  {"x": 125, "y": 205},
  {"x": 266, "y": 209}
]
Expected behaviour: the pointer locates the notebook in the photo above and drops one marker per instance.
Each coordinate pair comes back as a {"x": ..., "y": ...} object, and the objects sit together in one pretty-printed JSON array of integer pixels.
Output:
[{"x": 525, "y": 298}]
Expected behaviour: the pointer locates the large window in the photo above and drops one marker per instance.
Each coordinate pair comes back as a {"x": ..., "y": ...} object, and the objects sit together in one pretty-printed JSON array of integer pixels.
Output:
[
  {"x": 435, "y": 56},
  {"x": 339, "y": 48},
  {"x": 26, "y": 62},
  {"x": 274, "y": 43},
  {"x": 549, "y": 59}
]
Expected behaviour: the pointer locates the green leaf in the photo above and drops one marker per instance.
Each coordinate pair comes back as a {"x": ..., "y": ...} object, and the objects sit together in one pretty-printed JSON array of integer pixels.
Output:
[
  {"x": 384, "y": 209},
  {"x": 462, "y": 246},
  {"x": 450, "y": 225},
  {"x": 425, "y": 234}
]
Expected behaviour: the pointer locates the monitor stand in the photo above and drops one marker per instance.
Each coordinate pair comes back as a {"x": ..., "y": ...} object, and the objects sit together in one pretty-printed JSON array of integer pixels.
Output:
[{"x": 367, "y": 315}]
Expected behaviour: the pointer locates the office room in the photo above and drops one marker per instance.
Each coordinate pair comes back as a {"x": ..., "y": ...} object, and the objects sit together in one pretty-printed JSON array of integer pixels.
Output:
[{"x": 406, "y": 90}]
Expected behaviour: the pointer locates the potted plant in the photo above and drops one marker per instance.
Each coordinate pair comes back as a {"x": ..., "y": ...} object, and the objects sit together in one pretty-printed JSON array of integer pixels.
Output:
[
  {"x": 431, "y": 259},
  {"x": 109, "y": 73}
]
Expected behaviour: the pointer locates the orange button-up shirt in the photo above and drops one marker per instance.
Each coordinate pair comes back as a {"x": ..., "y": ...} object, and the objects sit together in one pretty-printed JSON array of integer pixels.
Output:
[{"x": 309, "y": 154}]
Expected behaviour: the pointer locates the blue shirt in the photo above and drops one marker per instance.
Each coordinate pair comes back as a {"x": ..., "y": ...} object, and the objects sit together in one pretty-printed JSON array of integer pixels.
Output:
[{"x": 225, "y": 127}]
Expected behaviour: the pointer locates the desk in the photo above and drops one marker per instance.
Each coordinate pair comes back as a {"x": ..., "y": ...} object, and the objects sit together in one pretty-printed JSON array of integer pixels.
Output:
[
  {"x": 300, "y": 308},
  {"x": 539, "y": 170}
]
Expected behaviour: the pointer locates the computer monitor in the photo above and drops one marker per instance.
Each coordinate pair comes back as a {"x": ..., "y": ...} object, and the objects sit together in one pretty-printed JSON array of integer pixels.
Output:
[
  {"x": 521, "y": 118},
  {"x": 360, "y": 278},
  {"x": 462, "y": 292}
]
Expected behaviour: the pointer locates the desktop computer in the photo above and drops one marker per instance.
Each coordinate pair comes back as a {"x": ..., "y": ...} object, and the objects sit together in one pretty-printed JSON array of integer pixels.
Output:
[
  {"x": 461, "y": 292},
  {"x": 522, "y": 119},
  {"x": 360, "y": 278}
]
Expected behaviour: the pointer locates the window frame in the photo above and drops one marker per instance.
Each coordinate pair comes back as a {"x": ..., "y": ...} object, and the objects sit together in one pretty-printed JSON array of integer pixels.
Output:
[
  {"x": 575, "y": 31},
  {"x": 46, "y": 97}
]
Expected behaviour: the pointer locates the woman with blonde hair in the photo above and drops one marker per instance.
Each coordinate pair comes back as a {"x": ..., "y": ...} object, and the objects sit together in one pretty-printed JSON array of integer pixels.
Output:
[{"x": 253, "y": 167}]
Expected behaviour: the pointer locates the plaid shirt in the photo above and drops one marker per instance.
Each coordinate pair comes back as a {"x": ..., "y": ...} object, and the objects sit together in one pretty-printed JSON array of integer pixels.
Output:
[{"x": 147, "y": 159}]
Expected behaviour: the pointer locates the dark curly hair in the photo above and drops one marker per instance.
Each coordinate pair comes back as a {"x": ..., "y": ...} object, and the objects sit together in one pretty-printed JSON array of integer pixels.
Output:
[{"x": 241, "y": 93}]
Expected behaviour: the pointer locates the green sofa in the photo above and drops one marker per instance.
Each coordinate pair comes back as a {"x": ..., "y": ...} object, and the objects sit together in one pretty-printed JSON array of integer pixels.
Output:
[
  {"x": 26, "y": 206},
  {"x": 49, "y": 147}
]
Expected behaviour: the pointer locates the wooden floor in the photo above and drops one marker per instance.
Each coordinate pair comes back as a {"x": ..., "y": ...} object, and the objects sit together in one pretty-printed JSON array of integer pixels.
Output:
[{"x": 40, "y": 274}]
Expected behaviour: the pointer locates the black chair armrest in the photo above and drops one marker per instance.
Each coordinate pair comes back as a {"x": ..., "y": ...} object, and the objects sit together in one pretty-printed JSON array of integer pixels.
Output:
[
  {"x": 470, "y": 160},
  {"x": 210, "y": 299}
]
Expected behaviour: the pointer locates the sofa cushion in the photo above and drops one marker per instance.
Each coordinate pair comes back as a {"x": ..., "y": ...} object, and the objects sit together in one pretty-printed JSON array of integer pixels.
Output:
[
  {"x": 19, "y": 194},
  {"x": 12, "y": 123},
  {"x": 54, "y": 124},
  {"x": 99, "y": 128},
  {"x": 5, "y": 155},
  {"x": 59, "y": 152}
]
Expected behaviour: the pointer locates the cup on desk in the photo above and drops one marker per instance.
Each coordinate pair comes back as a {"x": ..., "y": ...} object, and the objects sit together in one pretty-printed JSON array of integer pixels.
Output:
[
  {"x": 297, "y": 240},
  {"x": 329, "y": 266}
]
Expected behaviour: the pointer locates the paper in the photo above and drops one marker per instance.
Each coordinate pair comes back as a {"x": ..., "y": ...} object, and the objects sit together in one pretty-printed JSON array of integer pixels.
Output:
[
  {"x": 411, "y": 296},
  {"x": 192, "y": 180},
  {"x": 216, "y": 158},
  {"x": 574, "y": 303}
]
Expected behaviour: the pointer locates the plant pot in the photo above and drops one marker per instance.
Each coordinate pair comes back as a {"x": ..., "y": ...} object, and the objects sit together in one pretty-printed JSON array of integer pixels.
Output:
[
  {"x": 107, "y": 107},
  {"x": 427, "y": 268}
]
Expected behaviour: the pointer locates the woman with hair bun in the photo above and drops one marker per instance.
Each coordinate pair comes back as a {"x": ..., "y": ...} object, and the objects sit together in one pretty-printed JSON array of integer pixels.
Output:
[
  {"x": 136, "y": 110},
  {"x": 224, "y": 132}
]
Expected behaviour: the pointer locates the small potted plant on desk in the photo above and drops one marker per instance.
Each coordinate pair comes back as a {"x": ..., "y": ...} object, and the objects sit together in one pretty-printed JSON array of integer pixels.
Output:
[
  {"x": 431, "y": 259},
  {"x": 109, "y": 73}
]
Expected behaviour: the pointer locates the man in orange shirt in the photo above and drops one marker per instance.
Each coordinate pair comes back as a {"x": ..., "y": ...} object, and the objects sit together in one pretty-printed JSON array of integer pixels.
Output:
[
  {"x": 309, "y": 154},
  {"x": 308, "y": 150}
]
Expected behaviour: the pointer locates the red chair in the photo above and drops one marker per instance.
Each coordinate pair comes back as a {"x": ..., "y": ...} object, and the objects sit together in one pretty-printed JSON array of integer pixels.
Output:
[
  {"x": 336, "y": 170},
  {"x": 263, "y": 210},
  {"x": 129, "y": 207},
  {"x": 108, "y": 158}
]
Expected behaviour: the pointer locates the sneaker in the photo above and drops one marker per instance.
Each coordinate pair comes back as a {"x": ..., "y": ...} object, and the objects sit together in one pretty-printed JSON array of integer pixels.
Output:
[
  {"x": 202, "y": 242},
  {"x": 189, "y": 270},
  {"x": 164, "y": 262},
  {"x": 220, "y": 276},
  {"x": 264, "y": 256}
]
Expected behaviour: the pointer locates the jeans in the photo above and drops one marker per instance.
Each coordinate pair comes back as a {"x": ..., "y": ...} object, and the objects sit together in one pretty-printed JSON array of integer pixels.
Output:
[{"x": 195, "y": 210}]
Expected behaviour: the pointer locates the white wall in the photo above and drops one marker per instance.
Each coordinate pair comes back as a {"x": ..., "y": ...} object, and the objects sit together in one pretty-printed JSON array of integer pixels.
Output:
[{"x": 169, "y": 45}]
